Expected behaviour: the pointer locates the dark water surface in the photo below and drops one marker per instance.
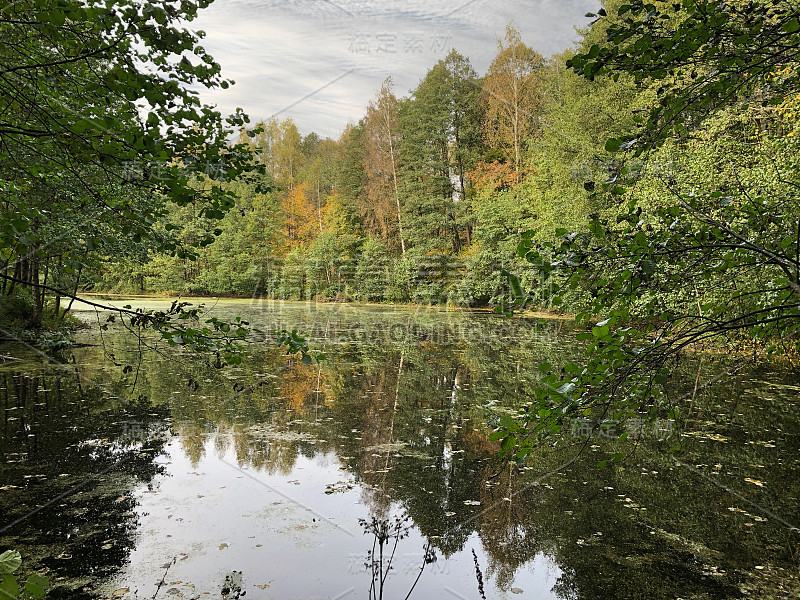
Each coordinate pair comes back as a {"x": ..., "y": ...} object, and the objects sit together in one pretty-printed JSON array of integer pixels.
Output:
[{"x": 280, "y": 480}]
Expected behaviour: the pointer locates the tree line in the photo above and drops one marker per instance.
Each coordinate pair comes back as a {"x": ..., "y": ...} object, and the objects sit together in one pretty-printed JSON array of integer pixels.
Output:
[{"x": 422, "y": 200}]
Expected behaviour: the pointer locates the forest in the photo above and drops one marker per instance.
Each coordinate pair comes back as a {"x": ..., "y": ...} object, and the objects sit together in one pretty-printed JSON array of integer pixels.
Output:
[{"x": 421, "y": 201}]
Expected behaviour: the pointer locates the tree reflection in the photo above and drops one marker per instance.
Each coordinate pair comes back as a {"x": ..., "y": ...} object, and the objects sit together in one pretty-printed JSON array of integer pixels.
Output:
[
  {"x": 72, "y": 456},
  {"x": 407, "y": 422}
]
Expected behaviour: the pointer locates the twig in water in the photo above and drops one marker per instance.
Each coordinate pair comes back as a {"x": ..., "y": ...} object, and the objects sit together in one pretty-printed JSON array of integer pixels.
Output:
[
  {"x": 478, "y": 574},
  {"x": 164, "y": 578}
]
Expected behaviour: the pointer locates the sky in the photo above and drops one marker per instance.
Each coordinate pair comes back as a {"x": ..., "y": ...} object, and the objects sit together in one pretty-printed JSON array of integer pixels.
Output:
[{"x": 321, "y": 61}]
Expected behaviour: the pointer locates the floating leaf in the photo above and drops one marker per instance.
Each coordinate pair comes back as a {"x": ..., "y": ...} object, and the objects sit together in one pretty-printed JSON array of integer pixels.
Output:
[{"x": 754, "y": 482}]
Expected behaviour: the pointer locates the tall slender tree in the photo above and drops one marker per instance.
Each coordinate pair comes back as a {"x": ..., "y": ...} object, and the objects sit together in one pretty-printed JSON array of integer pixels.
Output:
[
  {"x": 319, "y": 171},
  {"x": 382, "y": 136},
  {"x": 350, "y": 177},
  {"x": 287, "y": 154},
  {"x": 511, "y": 96}
]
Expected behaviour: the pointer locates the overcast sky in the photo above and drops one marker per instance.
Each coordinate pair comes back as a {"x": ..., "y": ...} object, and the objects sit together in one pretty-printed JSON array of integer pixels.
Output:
[{"x": 321, "y": 61}]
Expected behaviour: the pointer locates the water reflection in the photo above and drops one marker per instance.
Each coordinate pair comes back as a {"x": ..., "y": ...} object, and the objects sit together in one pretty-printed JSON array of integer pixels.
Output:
[
  {"x": 266, "y": 470},
  {"x": 68, "y": 472}
]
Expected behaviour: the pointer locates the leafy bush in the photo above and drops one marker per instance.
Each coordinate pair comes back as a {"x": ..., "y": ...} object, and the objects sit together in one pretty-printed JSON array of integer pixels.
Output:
[{"x": 16, "y": 310}]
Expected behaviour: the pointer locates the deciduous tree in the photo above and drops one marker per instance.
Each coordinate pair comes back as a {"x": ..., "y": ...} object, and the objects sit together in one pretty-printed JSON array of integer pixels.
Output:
[{"x": 511, "y": 91}]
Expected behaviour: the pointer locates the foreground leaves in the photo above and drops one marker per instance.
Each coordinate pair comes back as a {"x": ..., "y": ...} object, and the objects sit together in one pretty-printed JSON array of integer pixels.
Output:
[{"x": 35, "y": 586}]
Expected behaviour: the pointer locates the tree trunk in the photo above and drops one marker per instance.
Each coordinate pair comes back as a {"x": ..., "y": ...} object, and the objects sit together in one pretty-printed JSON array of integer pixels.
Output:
[
  {"x": 319, "y": 207},
  {"x": 74, "y": 293},
  {"x": 38, "y": 293},
  {"x": 394, "y": 180},
  {"x": 57, "y": 299}
]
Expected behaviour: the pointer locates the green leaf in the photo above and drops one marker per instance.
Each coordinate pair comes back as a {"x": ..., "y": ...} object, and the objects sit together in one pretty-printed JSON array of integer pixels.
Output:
[
  {"x": 648, "y": 267},
  {"x": 613, "y": 145},
  {"x": 545, "y": 367},
  {"x": 37, "y": 585},
  {"x": 508, "y": 443},
  {"x": 9, "y": 588},
  {"x": 10, "y": 560}
]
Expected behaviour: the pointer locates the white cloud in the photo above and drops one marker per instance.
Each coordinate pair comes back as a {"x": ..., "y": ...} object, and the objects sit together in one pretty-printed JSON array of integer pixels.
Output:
[{"x": 284, "y": 55}]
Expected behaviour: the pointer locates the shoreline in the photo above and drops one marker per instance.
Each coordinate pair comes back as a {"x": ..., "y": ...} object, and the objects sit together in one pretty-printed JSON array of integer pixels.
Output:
[{"x": 529, "y": 314}]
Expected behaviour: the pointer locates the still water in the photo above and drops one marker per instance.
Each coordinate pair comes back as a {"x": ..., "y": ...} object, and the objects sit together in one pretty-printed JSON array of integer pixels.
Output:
[{"x": 131, "y": 472}]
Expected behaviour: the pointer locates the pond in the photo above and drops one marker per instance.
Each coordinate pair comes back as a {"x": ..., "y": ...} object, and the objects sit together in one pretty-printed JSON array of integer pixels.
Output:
[{"x": 135, "y": 473}]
